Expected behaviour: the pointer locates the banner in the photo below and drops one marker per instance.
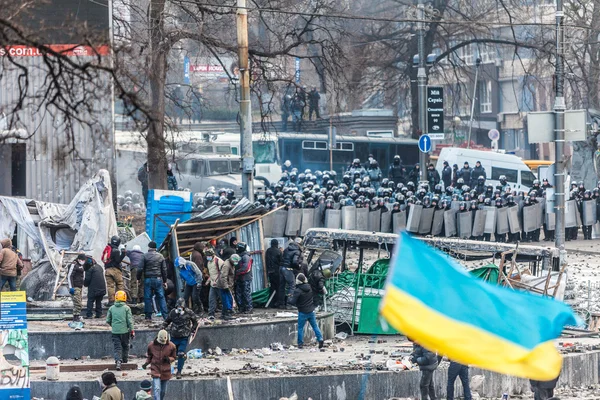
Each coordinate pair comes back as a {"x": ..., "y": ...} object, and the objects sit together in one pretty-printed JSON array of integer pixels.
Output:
[{"x": 14, "y": 378}]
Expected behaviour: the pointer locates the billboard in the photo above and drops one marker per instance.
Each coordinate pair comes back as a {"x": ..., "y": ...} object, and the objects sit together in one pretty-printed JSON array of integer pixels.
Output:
[{"x": 14, "y": 375}]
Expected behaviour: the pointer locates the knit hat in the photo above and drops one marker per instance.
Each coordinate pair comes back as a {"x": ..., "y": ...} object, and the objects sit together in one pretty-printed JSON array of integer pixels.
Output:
[
  {"x": 152, "y": 245},
  {"x": 142, "y": 395},
  {"x": 82, "y": 257},
  {"x": 146, "y": 385},
  {"x": 300, "y": 279},
  {"x": 74, "y": 393},
  {"x": 163, "y": 337}
]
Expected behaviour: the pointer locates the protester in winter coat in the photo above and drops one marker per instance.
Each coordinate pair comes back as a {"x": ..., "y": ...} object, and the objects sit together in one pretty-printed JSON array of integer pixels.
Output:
[
  {"x": 192, "y": 278},
  {"x": 427, "y": 362},
  {"x": 75, "y": 281},
  {"x": 316, "y": 279},
  {"x": 111, "y": 391},
  {"x": 94, "y": 281},
  {"x": 136, "y": 255},
  {"x": 154, "y": 269},
  {"x": 273, "y": 259},
  {"x": 74, "y": 393},
  {"x": 120, "y": 319},
  {"x": 10, "y": 265},
  {"x": 229, "y": 250},
  {"x": 223, "y": 278},
  {"x": 203, "y": 286},
  {"x": 291, "y": 261},
  {"x": 145, "y": 391},
  {"x": 303, "y": 300},
  {"x": 462, "y": 371},
  {"x": 243, "y": 280},
  {"x": 182, "y": 324},
  {"x": 161, "y": 353},
  {"x": 112, "y": 269}
]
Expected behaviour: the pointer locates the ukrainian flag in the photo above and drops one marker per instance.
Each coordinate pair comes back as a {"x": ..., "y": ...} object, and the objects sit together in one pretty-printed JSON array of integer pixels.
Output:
[{"x": 434, "y": 301}]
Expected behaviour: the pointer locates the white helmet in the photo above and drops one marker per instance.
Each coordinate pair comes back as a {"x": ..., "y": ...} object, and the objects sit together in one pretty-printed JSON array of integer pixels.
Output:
[{"x": 287, "y": 163}]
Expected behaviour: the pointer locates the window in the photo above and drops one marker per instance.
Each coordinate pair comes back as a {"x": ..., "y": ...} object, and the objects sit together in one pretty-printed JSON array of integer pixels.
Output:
[
  {"x": 222, "y": 149},
  {"x": 219, "y": 167},
  {"x": 511, "y": 174},
  {"x": 196, "y": 168},
  {"x": 236, "y": 166},
  {"x": 344, "y": 146},
  {"x": 485, "y": 97},
  {"x": 264, "y": 152},
  {"x": 527, "y": 178},
  {"x": 314, "y": 145}
]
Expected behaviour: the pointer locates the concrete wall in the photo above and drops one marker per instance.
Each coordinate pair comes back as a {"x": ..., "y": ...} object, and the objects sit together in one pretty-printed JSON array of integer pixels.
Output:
[
  {"x": 578, "y": 370},
  {"x": 98, "y": 344}
]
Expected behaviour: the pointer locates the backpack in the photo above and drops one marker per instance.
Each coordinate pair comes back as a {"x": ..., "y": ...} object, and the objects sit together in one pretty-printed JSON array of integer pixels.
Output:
[
  {"x": 106, "y": 254},
  {"x": 187, "y": 275}
]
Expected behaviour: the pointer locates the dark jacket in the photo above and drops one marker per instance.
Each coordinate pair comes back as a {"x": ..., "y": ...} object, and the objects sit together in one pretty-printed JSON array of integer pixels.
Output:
[
  {"x": 198, "y": 259},
  {"x": 395, "y": 172},
  {"x": 116, "y": 256},
  {"x": 475, "y": 174},
  {"x": 303, "y": 298},
  {"x": 316, "y": 279},
  {"x": 465, "y": 174},
  {"x": 153, "y": 266},
  {"x": 273, "y": 259},
  {"x": 182, "y": 325},
  {"x": 228, "y": 252},
  {"x": 433, "y": 177},
  {"x": 427, "y": 360},
  {"x": 135, "y": 258},
  {"x": 242, "y": 267},
  {"x": 94, "y": 281},
  {"x": 75, "y": 275},
  {"x": 292, "y": 256},
  {"x": 447, "y": 175},
  {"x": 156, "y": 358}
]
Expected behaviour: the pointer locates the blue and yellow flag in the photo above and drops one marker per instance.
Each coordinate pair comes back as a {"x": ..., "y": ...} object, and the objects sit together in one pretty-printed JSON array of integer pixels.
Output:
[{"x": 435, "y": 302}]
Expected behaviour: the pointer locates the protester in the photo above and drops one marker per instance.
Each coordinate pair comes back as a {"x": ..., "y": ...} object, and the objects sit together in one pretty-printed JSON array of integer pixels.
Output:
[
  {"x": 229, "y": 250},
  {"x": 223, "y": 275},
  {"x": 112, "y": 257},
  {"x": 291, "y": 261},
  {"x": 10, "y": 265},
  {"x": 135, "y": 260},
  {"x": 182, "y": 324},
  {"x": 111, "y": 391},
  {"x": 94, "y": 281},
  {"x": 313, "y": 103},
  {"x": 120, "y": 320},
  {"x": 161, "y": 354},
  {"x": 154, "y": 269},
  {"x": 74, "y": 393},
  {"x": 243, "y": 279},
  {"x": 75, "y": 277},
  {"x": 273, "y": 258},
  {"x": 303, "y": 300},
  {"x": 215, "y": 265},
  {"x": 462, "y": 371},
  {"x": 199, "y": 259},
  {"x": 192, "y": 277},
  {"x": 316, "y": 279},
  {"x": 142, "y": 176},
  {"x": 145, "y": 391},
  {"x": 428, "y": 363}
]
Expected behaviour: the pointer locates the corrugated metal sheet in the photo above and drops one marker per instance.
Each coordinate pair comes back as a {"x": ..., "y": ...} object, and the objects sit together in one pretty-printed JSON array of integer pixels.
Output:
[
  {"x": 52, "y": 173},
  {"x": 250, "y": 234}
]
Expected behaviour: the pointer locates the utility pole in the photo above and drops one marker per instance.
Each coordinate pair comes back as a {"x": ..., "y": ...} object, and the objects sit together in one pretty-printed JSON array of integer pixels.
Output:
[
  {"x": 245, "y": 106},
  {"x": 477, "y": 63},
  {"x": 422, "y": 85},
  {"x": 559, "y": 135}
]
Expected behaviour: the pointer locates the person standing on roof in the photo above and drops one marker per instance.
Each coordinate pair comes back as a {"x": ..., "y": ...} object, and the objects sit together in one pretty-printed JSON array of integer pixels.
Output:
[
  {"x": 75, "y": 277},
  {"x": 243, "y": 279},
  {"x": 154, "y": 268},
  {"x": 112, "y": 257}
]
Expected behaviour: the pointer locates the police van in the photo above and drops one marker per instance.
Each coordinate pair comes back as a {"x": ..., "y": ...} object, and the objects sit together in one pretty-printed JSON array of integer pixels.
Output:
[{"x": 518, "y": 175}]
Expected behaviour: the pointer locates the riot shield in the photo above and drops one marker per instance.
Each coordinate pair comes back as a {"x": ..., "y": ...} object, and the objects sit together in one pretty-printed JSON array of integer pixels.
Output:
[
  {"x": 529, "y": 218},
  {"x": 490, "y": 220},
  {"x": 550, "y": 221},
  {"x": 362, "y": 219},
  {"x": 426, "y": 221},
  {"x": 414, "y": 216},
  {"x": 333, "y": 219},
  {"x": 337, "y": 206},
  {"x": 294, "y": 222},
  {"x": 571, "y": 213},
  {"x": 318, "y": 217},
  {"x": 279, "y": 223},
  {"x": 464, "y": 222},
  {"x": 589, "y": 212},
  {"x": 438, "y": 222},
  {"x": 374, "y": 221},
  {"x": 479, "y": 223},
  {"x": 455, "y": 205},
  {"x": 349, "y": 217},
  {"x": 450, "y": 223},
  {"x": 513, "y": 219},
  {"x": 386, "y": 222},
  {"x": 268, "y": 225},
  {"x": 308, "y": 220},
  {"x": 539, "y": 221},
  {"x": 399, "y": 221},
  {"x": 502, "y": 221}
]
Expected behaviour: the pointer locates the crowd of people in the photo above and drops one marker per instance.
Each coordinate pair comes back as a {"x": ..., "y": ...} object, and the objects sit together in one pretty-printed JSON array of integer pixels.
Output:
[{"x": 295, "y": 105}]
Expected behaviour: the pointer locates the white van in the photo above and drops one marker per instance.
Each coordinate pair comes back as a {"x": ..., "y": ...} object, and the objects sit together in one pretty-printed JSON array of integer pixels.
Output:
[{"x": 518, "y": 175}]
